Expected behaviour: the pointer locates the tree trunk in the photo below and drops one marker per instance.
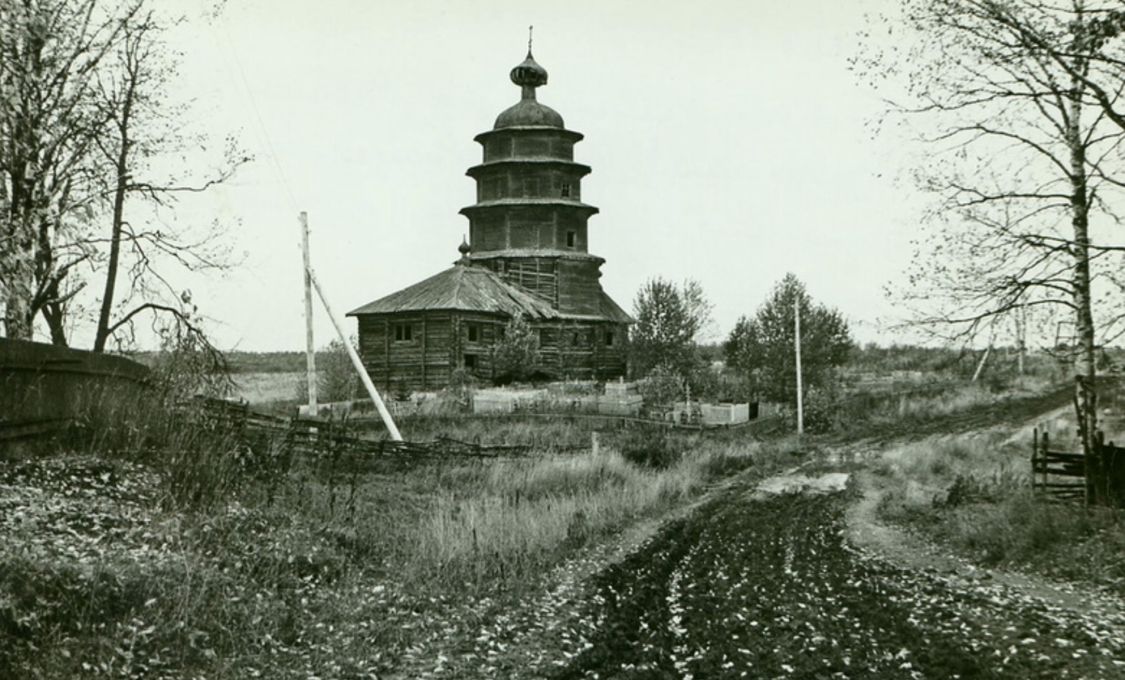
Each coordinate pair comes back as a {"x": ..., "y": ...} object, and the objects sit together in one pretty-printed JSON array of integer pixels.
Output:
[
  {"x": 19, "y": 280},
  {"x": 17, "y": 323},
  {"x": 1085, "y": 374},
  {"x": 121, "y": 165},
  {"x": 54, "y": 314}
]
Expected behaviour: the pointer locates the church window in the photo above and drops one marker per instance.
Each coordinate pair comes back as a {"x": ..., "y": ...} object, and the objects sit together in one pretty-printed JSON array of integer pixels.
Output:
[
  {"x": 470, "y": 361},
  {"x": 609, "y": 338},
  {"x": 570, "y": 237},
  {"x": 403, "y": 332},
  {"x": 565, "y": 190},
  {"x": 474, "y": 332}
]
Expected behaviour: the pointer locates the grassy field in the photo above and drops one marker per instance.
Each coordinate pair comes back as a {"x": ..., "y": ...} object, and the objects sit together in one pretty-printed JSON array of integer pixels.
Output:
[
  {"x": 125, "y": 568},
  {"x": 259, "y": 388},
  {"x": 971, "y": 493},
  {"x": 195, "y": 557}
]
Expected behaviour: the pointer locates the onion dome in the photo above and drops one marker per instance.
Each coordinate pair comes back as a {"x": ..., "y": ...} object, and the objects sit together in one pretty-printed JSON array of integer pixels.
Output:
[
  {"x": 529, "y": 75},
  {"x": 464, "y": 249}
]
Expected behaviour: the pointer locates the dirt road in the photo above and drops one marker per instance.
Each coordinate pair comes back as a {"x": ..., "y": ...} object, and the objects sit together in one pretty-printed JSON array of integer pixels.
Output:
[
  {"x": 760, "y": 581},
  {"x": 765, "y": 586}
]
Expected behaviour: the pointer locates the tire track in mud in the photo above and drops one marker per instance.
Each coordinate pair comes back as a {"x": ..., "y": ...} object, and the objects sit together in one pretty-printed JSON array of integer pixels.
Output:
[{"x": 770, "y": 588}]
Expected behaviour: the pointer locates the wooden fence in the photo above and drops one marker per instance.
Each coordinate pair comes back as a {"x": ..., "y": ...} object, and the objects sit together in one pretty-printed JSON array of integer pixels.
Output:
[
  {"x": 315, "y": 438},
  {"x": 1098, "y": 479}
]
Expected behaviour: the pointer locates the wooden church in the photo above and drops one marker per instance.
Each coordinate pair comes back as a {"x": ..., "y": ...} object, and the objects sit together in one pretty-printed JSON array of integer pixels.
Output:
[{"x": 527, "y": 255}]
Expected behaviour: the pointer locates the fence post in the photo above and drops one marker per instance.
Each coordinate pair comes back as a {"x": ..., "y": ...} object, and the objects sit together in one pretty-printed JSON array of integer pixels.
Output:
[
  {"x": 1034, "y": 455},
  {"x": 1046, "y": 451}
]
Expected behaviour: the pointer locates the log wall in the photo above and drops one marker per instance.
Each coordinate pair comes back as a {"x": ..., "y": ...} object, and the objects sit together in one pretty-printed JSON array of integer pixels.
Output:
[{"x": 441, "y": 342}]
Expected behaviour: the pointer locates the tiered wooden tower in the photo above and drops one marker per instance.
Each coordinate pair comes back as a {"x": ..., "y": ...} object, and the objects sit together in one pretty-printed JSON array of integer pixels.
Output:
[
  {"x": 529, "y": 223},
  {"x": 527, "y": 254}
]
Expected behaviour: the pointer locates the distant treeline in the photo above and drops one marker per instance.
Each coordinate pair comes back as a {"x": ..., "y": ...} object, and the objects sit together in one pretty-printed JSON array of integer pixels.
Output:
[
  {"x": 250, "y": 362},
  {"x": 949, "y": 361},
  {"x": 866, "y": 358}
]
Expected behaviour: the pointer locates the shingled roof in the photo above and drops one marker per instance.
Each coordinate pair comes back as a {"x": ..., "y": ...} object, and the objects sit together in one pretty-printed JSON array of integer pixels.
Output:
[
  {"x": 612, "y": 311},
  {"x": 462, "y": 288}
]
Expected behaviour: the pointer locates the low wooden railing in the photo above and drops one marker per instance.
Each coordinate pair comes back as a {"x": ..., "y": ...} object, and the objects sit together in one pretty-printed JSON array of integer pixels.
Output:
[{"x": 1067, "y": 475}]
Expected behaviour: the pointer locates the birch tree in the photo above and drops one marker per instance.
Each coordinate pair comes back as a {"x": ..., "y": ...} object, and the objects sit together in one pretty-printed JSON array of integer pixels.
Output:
[
  {"x": 763, "y": 347},
  {"x": 670, "y": 319},
  {"x": 1017, "y": 101}
]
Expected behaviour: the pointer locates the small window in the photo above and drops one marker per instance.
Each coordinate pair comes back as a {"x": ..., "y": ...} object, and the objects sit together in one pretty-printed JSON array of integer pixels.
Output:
[
  {"x": 470, "y": 361},
  {"x": 570, "y": 237},
  {"x": 565, "y": 190},
  {"x": 609, "y": 338},
  {"x": 403, "y": 332},
  {"x": 574, "y": 338},
  {"x": 474, "y": 332}
]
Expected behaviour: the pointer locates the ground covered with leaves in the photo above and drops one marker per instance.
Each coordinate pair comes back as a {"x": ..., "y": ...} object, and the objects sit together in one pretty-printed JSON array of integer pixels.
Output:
[
  {"x": 101, "y": 576},
  {"x": 770, "y": 588},
  {"x": 322, "y": 572}
]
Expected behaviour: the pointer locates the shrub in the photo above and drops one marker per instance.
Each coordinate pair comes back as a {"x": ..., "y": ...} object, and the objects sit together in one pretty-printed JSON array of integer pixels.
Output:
[
  {"x": 662, "y": 386},
  {"x": 725, "y": 464},
  {"x": 336, "y": 379},
  {"x": 651, "y": 447},
  {"x": 823, "y": 408},
  {"x": 515, "y": 356}
]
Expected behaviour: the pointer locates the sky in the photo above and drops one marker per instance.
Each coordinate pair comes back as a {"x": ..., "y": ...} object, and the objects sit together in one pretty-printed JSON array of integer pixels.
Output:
[{"x": 729, "y": 144}]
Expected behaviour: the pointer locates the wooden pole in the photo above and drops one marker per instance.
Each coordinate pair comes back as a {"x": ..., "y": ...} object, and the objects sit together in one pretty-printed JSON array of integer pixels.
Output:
[
  {"x": 1022, "y": 332},
  {"x": 363, "y": 376},
  {"x": 800, "y": 397},
  {"x": 1034, "y": 455},
  {"x": 310, "y": 350},
  {"x": 980, "y": 366}
]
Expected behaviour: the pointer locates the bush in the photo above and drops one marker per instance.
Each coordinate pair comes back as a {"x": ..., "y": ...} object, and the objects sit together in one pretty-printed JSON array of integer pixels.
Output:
[
  {"x": 823, "y": 408},
  {"x": 336, "y": 379},
  {"x": 651, "y": 447},
  {"x": 662, "y": 386}
]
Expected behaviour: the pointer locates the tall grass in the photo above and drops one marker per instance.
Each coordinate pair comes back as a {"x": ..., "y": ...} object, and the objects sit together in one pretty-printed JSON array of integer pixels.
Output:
[
  {"x": 497, "y": 524},
  {"x": 522, "y": 514},
  {"x": 876, "y": 407},
  {"x": 987, "y": 461},
  {"x": 539, "y": 433},
  {"x": 226, "y": 559},
  {"x": 972, "y": 493}
]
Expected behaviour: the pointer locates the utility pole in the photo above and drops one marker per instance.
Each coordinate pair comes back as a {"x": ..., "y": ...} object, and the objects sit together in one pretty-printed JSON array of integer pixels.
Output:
[
  {"x": 310, "y": 350},
  {"x": 797, "y": 336},
  {"x": 983, "y": 359},
  {"x": 357, "y": 363},
  {"x": 1022, "y": 333}
]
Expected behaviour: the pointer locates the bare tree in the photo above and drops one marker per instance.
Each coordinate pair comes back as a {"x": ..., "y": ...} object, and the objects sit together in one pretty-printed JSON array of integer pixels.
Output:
[
  {"x": 1017, "y": 103},
  {"x": 50, "y": 52},
  {"x": 144, "y": 125},
  {"x": 84, "y": 121}
]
